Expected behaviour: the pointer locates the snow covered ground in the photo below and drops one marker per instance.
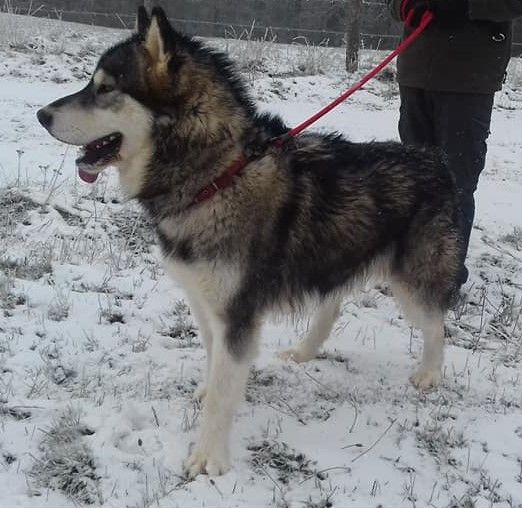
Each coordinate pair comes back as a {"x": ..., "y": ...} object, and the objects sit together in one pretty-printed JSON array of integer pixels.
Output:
[{"x": 99, "y": 356}]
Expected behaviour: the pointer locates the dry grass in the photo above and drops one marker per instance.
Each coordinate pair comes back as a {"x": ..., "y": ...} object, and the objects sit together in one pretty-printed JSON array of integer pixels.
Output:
[{"x": 66, "y": 462}]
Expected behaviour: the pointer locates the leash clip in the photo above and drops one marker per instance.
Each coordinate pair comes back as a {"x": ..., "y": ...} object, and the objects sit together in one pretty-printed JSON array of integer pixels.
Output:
[{"x": 280, "y": 141}]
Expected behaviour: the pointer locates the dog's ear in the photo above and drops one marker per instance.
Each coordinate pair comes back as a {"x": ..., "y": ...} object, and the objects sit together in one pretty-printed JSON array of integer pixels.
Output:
[
  {"x": 159, "y": 37},
  {"x": 142, "y": 21}
]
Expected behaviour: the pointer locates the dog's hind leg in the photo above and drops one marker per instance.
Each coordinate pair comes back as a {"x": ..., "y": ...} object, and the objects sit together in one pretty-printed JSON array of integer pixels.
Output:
[
  {"x": 321, "y": 327},
  {"x": 430, "y": 320},
  {"x": 429, "y": 373},
  {"x": 424, "y": 279},
  {"x": 228, "y": 374}
]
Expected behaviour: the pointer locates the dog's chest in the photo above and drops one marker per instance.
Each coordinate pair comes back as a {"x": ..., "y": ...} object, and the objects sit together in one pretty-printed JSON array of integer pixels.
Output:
[
  {"x": 216, "y": 237},
  {"x": 213, "y": 282}
]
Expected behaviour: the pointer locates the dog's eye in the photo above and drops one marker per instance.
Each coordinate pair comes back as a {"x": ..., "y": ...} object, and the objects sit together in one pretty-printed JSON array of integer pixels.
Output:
[{"x": 103, "y": 88}]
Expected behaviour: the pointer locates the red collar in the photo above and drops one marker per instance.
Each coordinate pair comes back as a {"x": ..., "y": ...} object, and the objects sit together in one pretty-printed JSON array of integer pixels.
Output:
[{"x": 221, "y": 182}]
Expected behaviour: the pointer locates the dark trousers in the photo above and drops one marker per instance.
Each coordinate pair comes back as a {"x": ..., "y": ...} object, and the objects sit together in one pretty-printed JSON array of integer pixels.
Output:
[{"x": 458, "y": 123}]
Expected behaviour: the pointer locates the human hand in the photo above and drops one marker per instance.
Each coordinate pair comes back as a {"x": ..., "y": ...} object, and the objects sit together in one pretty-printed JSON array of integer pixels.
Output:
[
  {"x": 445, "y": 11},
  {"x": 412, "y": 11}
]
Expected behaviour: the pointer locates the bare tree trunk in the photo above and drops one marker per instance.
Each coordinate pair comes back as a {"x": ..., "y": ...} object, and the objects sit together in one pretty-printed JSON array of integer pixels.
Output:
[{"x": 353, "y": 34}]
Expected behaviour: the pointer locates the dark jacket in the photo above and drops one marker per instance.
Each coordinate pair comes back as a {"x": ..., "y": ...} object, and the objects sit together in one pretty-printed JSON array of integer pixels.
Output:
[{"x": 468, "y": 56}]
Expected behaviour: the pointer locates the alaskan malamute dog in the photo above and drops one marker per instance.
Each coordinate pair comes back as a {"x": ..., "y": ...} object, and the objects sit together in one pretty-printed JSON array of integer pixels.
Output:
[{"x": 249, "y": 226}]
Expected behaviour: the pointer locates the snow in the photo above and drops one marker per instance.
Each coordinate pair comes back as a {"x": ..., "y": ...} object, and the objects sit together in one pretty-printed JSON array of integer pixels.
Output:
[{"x": 99, "y": 357}]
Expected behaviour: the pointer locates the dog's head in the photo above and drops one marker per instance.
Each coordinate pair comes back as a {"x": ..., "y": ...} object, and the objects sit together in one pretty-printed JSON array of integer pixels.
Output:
[{"x": 156, "y": 74}]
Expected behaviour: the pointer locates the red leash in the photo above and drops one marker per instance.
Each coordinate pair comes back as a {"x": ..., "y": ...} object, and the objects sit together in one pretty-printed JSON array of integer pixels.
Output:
[
  {"x": 227, "y": 177},
  {"x": 427, "y": 18}
]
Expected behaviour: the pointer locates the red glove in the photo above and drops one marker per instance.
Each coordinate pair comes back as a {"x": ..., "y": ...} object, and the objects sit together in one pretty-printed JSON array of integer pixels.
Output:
[
  {"x": 412, "y": 11},
  {"x": 446, "y": 12}
]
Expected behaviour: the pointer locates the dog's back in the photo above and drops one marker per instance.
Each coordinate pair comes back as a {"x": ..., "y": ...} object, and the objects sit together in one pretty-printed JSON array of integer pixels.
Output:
[{"x": 347, "y": 205}]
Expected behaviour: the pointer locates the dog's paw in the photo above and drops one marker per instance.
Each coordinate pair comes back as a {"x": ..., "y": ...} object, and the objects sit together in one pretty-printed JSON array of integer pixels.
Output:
[
  {"x": 426, "y": 379},
  {"x": 297, "y": 355},
  {"x": 206, "y": 460},
  {"x": 200, "y": 392}
]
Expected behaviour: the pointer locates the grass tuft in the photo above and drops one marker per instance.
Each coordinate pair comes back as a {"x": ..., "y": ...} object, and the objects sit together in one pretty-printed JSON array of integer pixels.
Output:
[
  {"x": 286, "y": 463},
  {"x": 66, "y": 462}
]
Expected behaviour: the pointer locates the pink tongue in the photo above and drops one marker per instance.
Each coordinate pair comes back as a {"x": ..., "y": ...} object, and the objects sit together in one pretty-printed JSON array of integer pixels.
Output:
[{"x": 87, "y": 177}]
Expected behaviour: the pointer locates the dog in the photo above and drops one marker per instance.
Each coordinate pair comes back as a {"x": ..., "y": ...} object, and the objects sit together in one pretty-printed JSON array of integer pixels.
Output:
[{"x": 250, "y": 226}]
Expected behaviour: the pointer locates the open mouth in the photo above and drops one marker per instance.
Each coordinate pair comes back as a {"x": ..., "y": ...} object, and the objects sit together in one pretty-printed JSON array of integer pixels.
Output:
[{"x": 97, "y": 155}]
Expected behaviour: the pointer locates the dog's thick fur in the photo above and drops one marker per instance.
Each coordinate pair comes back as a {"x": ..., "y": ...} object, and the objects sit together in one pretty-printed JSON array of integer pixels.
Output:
[{"x": 298, "y": 224}]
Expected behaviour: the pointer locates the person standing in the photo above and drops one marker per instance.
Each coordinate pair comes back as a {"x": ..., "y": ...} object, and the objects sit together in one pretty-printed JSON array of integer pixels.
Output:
[{"x": 447, "y": 81}]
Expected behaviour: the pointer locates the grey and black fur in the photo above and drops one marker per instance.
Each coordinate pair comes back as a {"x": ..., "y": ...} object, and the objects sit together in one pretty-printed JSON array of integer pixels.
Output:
[{"x": 300, "y": 224}]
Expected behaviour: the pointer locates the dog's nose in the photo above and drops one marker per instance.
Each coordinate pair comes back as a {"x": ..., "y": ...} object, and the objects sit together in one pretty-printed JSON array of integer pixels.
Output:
[{"x": 44, "y": 117}]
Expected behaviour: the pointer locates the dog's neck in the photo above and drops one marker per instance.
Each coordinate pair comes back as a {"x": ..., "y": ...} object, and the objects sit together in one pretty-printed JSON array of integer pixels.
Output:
[
  {"x": 182, "y": 167},
  {"x": 206, "y": 133}
]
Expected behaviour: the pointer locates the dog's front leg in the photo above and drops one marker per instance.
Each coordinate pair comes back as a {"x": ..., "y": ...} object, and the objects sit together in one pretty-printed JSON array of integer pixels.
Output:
[
  {"x": 225, "y": 389},
  {"x": 205, "y": 332}
]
